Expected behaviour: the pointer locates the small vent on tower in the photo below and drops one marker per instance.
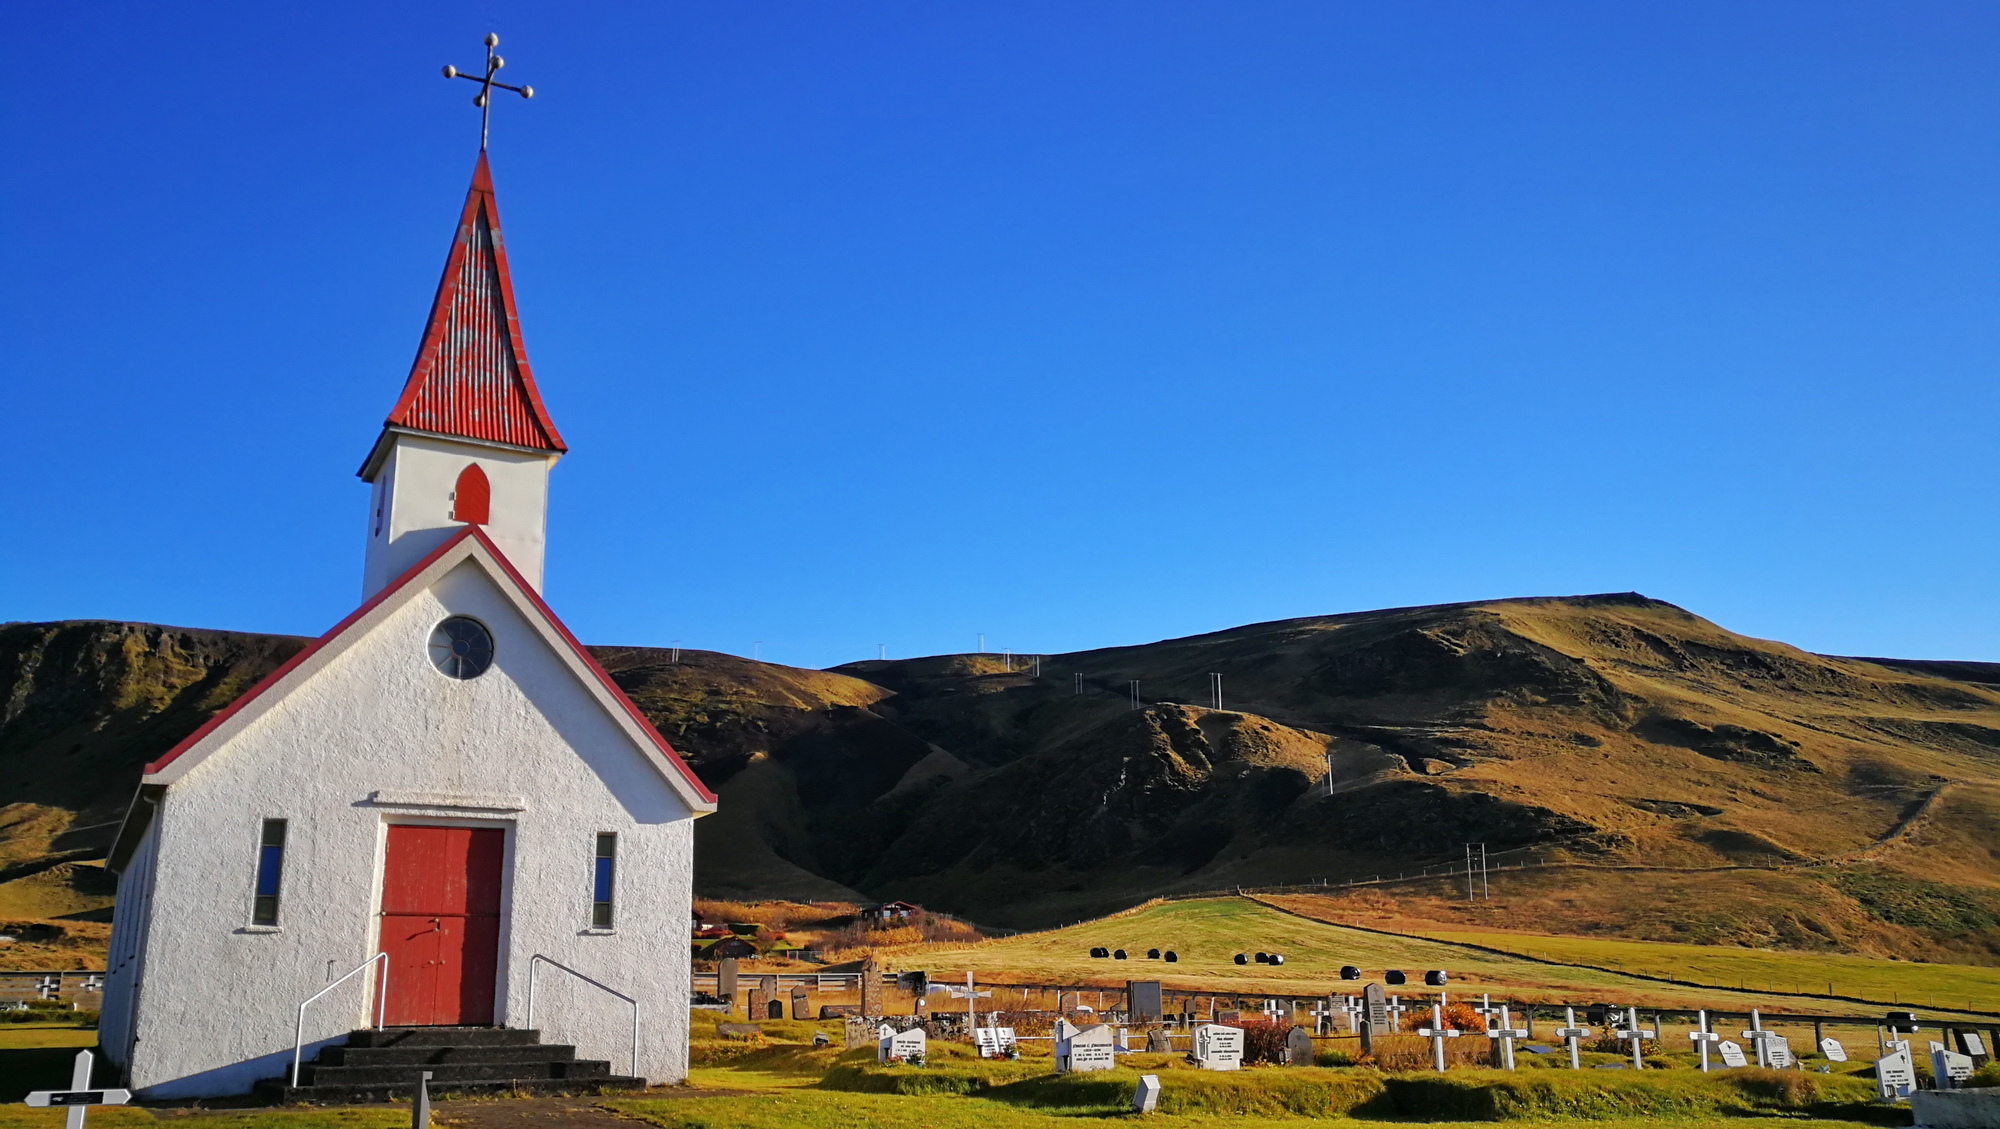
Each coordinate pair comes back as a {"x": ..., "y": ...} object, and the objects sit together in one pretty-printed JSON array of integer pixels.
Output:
[{"x": 470, "y": 500}]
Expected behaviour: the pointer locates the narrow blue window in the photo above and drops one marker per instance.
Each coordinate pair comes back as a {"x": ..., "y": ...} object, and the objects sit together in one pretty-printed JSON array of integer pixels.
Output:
[
  {"x": 607, "y": 854},
  {"x": 270, "y": 867}
]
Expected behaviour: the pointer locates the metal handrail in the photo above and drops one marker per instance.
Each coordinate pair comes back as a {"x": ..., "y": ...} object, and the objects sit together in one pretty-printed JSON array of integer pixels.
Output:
[
  {"x": 381, "y": 1002},
  {"x": 538, "y": 959}
]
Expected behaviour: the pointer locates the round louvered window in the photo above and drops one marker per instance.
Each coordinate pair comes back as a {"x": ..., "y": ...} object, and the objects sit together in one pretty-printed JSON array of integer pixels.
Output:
[{"x": 461, "y": 647}]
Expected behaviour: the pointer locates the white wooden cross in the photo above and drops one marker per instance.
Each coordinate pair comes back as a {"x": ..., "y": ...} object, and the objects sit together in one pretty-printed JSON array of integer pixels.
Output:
[
  {"x": 79, "y": 1096},
  {"x": 1396, "y": 1009},
  {"x": 1274, "y": 1010},
  {"x": 1323, "y": 1012},
  {"x": 1486, "y": 1011},
  {"x": 1570, "y": 1033},
  {"x": 971, "y": 999},
  {"x": 1760, "y": 1038},
  {"x": 1634, "y": 1034},
  {"x": 1354, "y": 1009},
  {"x": 1507, "y": 1033},
  {"x": 49, "y": 986},
  {"x": 1703, "y": 1038},
  {"x": 1437, "y": 1032}
]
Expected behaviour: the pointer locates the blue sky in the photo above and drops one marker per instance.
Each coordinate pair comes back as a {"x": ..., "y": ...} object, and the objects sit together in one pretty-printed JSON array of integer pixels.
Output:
[{"x": 1068, "y": 324}]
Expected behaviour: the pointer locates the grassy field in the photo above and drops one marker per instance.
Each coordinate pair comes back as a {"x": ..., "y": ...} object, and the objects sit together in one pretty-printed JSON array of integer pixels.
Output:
[{"x": 1207, "y": 933}]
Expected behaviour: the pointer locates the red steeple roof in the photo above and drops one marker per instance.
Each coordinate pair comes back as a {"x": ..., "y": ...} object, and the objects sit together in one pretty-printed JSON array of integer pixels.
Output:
[{"x": 471, "y": 377}]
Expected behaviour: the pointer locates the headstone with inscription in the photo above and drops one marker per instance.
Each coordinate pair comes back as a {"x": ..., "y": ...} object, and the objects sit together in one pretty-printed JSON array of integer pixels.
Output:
[
  {"x": 1218, "y": 1046},
  {"x": 1298, "y": 1047},
  {"x": 900, "y": 1046},
  {"x": 1779, "y": 1051},
  {"x": 1732, "y": 1054},
  {"x": 1895, "y": 1076},
  {"x": 1972, "y": 1044},
  {"x": 760, "y": 1002},
  {"x": 1950, "y": 1068},
  {"x": 801, "y": 1004},
  {"x": 1157, "y": 1041},
  {"x": 1085, "y": 1048},
  {"x": 993, "y": 1042},
  {"x": 1831, "y": 1048}
]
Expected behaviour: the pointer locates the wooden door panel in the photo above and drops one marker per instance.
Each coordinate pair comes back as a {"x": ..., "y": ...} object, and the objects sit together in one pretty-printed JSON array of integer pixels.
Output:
[{"x": 441, "y": 923}]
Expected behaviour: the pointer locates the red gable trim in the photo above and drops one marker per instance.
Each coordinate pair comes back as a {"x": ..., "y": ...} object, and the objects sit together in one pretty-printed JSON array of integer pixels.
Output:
[
  {"x": 471, "y": 377},
  {"x": 291, "y": 664},
  {"x": 591, "y": 663},
  {"x": 646, "y": 727}
]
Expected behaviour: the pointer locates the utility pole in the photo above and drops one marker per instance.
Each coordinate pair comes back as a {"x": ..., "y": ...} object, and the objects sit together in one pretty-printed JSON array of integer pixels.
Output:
[
  {"x": 1215, "y": 688},
  {"x": 1010, "y": 660},
  {"x": 1468, "y": 872},
  {"x": 982, "y": 642},
  {"x": 1135, "y": 693},
  {"x": 1079, "y": 686},
  {"x": 757, "y": 650},
  {"x": 677, "y": 652},
  {"x": 884, "y": 648},
  {"x": 1038, "y": 666},
  {"x": 1488, "y": 889}
]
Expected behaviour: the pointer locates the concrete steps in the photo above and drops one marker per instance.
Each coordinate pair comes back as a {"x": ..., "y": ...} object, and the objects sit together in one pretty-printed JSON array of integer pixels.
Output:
[{"x": 380, "y": 1066}]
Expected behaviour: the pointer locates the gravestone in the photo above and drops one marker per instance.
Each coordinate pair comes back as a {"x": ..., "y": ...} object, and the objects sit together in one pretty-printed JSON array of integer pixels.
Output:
[
  {"x": 993, "y": 1042},
  {"x": 1949, "y": 1066},
  {"x": 760, "y": 1002},
  {"x": 1066, "y": 1002},
  {"x": 1732, "y": 1055},
  {"x": 801, "y": 1004},
  {"x": 1143, "y": 1001},
  {"x": 1298, "y": 1047},
  {"x": 1218, "y": 1047},
  {"x": 871, "y": 989},
  {"x": 1156, "y": 1040},
  {"x": 1895, "y": 1076},
  {"x": 1572, "y": 1034},
  {"x": 1146, "y": 1099},
  {"x": 1970, "y": 1043},
  {"x": 774, "y": 1010},
  {"x": 1228, "y": 1016},
  {"x": 903, "y": 1046},
  {"x": 1779, "y": 1052},
  {"x": 1831, "y": 1048},
  {"x": 725, "y": 981},
  {"x": 1375, "y": 1001},
  {"x": 1086, "y": 1048}
]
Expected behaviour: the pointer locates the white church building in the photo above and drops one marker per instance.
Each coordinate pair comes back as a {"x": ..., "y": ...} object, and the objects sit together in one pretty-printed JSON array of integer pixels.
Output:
[{"x": 443, "y": 796}]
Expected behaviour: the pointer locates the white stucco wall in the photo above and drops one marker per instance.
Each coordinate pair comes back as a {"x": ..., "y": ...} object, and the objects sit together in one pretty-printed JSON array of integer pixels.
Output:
[
  {"x": 413, "y": 493},
  {"x": 216, "y": 1008}
]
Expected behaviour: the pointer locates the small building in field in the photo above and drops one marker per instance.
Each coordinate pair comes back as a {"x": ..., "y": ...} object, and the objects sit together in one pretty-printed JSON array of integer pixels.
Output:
[
  {"x": 892, "y": 911},
  {"x": 444, "y": 796}
]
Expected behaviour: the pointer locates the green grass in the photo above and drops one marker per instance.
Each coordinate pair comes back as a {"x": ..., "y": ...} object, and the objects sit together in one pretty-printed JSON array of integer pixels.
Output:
[{"x": 1206, "y": 934}]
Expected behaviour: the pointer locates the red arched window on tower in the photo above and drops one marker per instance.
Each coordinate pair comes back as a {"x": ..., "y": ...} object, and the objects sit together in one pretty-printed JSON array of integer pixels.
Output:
[{"x": 472, "y": 498}]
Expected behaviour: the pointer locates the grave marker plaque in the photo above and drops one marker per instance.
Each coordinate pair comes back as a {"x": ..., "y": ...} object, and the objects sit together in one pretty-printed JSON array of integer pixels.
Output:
[
  {"x": 1376, "y": 1001},
  {"x": 993, "y": 1041},
  {"x": 1218, "y": 1047},
  {"x": 1298, "y": 1047},
  {"x": 1732, "y": 1055},
  {"x": 725, "y": 981},
  {"x": 801, "y": 1004},
  {"x": 1970, "y": 1043},
  {"x": 1146, "y": 1099},
  {"x": 1156, "y": 1040},
  {"x": 1780, "y": 1053},
  {"x": 1831, "y": 1048}
]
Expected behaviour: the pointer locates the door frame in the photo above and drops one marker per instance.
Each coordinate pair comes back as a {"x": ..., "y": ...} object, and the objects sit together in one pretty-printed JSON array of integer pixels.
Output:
[{"x": 508, "y": 829}]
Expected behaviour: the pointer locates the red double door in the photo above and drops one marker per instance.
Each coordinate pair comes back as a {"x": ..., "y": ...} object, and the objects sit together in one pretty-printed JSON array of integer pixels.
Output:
[{"x": 441, "y": 924}]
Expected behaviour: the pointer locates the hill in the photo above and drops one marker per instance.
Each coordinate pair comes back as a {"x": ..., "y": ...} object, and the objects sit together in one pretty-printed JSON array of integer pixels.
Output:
[{"x": 1658, "y": 776}]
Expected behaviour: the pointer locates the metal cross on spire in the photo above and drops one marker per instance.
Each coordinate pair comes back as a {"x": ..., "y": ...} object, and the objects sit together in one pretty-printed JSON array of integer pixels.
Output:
[{"x": 484, "y": 99}]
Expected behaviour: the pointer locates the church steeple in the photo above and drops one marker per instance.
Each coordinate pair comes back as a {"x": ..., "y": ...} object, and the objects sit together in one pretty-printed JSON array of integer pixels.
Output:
[{"x": 469, "y": 441}]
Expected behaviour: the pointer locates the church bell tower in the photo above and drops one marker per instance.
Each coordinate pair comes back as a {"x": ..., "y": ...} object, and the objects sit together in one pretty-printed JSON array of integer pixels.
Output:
[{"x": 469, "y": 442}]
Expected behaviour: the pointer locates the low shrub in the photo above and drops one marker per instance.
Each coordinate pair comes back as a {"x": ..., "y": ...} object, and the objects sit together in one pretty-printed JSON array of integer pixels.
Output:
[
  {"x": 1264, "y": 1040},
  {"x": 1988, "y": 1075}
]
